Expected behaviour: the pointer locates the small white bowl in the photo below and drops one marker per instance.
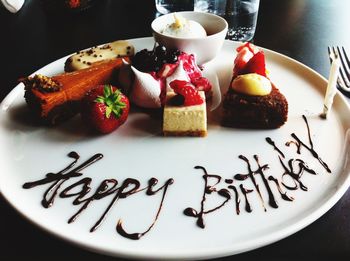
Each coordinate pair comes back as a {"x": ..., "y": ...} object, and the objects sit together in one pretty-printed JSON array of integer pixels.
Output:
[{"x": 204, "y": 48}]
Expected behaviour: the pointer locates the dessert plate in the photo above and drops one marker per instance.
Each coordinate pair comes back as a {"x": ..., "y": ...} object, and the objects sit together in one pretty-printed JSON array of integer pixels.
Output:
[{"x": 258, "y": 199}]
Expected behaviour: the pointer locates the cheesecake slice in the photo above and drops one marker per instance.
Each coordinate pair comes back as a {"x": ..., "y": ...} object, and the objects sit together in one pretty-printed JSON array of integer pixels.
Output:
[{"x": 181, "y": 120}]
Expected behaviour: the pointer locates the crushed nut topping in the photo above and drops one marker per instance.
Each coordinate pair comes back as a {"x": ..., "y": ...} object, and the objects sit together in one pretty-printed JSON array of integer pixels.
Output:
[{"x": 42, "y": 83}]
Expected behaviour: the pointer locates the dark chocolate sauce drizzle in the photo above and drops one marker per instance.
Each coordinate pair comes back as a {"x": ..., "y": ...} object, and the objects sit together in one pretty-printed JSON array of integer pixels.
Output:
[
  {"x": 60, "y": 177},
  {"x": 295, "y": 173},
  {"x": 152, "y": 182},
  {"x": 273, "y": 144},
  {"x": 237, "y": 199},
  {"x": 229, "y": 181},
  {"x": 207, "y": 190},
  {"x": 279, "y": 188},
  {"x": 260, "y": 170},
  {"x": 245, "y": 191},
  {"x": 106, "y": 188},
  {"x": 119, "y": 193},
  {"x": 310, "y": 148},
  {"x": 292, "y": 169}
]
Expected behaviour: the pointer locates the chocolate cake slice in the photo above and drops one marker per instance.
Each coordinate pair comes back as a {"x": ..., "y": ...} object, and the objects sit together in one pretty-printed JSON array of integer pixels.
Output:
[
  {"x": 257, "y": 112},
  {"x": 252, "y": 100}
]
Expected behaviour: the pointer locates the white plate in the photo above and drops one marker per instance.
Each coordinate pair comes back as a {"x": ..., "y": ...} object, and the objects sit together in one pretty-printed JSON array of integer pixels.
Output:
[{"x": 137, "y": 150}]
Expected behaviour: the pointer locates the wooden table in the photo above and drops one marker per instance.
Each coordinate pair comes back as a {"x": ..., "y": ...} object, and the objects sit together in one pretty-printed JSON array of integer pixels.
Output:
[{"x": 302, "y": 30}]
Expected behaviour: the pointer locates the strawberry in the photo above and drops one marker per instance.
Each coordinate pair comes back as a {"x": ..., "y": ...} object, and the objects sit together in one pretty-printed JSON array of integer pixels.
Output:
[
  {"x": 105, "y": 108},
  {"x": 256, "y": 65},
  {"x": 249, "y": 59},
  {"x": 252, "y": 48},
  {"x": 243, "y": 56},
  {"x": 187, "y": 91}
]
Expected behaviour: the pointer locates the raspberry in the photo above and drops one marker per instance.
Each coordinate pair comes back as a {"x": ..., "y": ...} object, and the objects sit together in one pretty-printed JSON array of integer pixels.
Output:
[
  {"x": 188, "y": 91},
  {"x": 202, "y": 84},
  {"x": 190, "y": 65}
]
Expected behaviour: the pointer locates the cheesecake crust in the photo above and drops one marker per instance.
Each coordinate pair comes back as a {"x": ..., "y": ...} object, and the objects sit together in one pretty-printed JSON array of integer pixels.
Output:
[{"x": 199, "y": 133}]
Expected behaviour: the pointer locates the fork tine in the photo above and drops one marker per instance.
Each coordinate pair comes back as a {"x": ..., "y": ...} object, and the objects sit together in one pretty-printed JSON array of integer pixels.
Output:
[
  {"x": 346, "y": 61},
  {"x": 343, "y": 81},
  {"x": 335, "y": 52},
  {"x": 346, "y": 56},
  {"x": 330, "y": 54},
  {"x": 344, "y": 71}
]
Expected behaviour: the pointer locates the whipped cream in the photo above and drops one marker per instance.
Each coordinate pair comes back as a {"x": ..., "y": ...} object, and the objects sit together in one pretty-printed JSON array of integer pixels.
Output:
[
  {"x": 182, "y": 27},
  {"x": 252, "y": 84},
  {"x": 146, "y": 90}
]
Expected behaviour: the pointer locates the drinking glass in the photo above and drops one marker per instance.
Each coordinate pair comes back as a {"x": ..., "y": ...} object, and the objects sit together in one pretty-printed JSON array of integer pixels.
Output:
[
  {"x": 241, "y": 15},
  {"x": 169, "y": 6}
]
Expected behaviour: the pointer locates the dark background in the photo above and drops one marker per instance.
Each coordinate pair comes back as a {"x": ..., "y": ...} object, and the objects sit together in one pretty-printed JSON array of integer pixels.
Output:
[{"x": 33, "y": 37}]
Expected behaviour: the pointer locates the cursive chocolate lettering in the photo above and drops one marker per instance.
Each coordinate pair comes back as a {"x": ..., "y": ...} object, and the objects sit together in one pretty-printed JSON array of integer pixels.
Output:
[
  {"x": 81, "y": 191},
  {"x": 83, "y": 195},
  {"x": 152, "y": 183},
  {"x": 207, "y": 190},
  {"x": 61, "y": 177},
  {"x": 310, "y": 148}
]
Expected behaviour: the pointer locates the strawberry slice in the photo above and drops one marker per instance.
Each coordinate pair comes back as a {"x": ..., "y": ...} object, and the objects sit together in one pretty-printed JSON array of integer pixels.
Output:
[
  {"x": 249, "y": 59},
  {"x": 242, "y": 58},
  {"x": 187, "y": 91},
  {"x": 256, "y": 65},
  {"x": 251, "y": 47},
  {"x": 105, "y": 108}
]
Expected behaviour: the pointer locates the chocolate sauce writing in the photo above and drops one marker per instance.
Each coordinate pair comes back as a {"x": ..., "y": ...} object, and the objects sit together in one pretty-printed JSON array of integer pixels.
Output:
[
  {"x": 226, "y": 189},
  {"x": 290, "y": 179},
  {"x": 108, "y": 187}
]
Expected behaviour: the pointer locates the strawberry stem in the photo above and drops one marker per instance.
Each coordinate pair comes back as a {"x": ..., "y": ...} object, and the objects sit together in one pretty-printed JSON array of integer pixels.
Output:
[{"x": 112, "y": 100}]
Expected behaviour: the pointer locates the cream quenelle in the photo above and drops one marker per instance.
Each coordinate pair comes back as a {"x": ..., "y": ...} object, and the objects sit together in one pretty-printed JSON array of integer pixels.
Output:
[
  {"x": 252, "y": 84},
  {"x": 146, "y": 90},
  {"x": 181, "y": 27}
]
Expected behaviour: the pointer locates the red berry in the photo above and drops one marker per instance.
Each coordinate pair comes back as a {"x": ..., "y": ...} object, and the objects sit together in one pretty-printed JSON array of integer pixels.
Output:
[
  {"x": 190, "y": 65},
  {"x": 249, "y": 60},
  {"x": 241, "y": 60},
  {"x": 105, "y": 108},
  {"x": 202, "y": 84},
  {"x": 256, "y": 65},
  {"x": 252, "y": 48},
  {"x": 187, "y": 91}
]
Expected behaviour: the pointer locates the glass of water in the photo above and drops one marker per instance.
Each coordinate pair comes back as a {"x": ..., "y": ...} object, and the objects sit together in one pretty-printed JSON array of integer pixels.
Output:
[
  {"x": 241, "y": 16},
  {"x": 170, "y": 6}
]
